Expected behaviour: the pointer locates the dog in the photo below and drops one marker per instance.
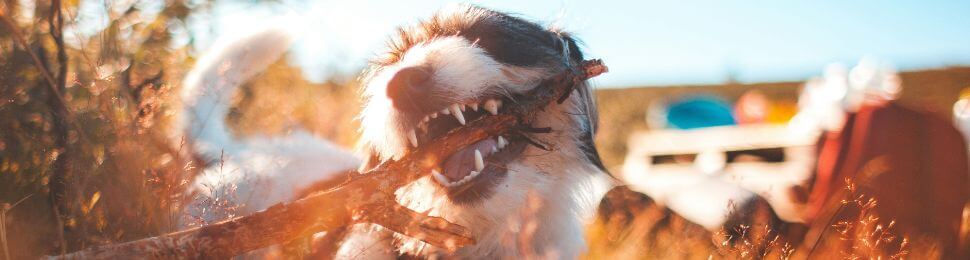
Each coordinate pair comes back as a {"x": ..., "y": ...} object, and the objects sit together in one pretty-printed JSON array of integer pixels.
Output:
[{"x": 521, "y": 196}]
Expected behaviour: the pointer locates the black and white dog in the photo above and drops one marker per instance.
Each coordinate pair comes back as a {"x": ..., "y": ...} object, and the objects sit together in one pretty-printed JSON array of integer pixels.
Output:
[{"x": 462, "y": 64}]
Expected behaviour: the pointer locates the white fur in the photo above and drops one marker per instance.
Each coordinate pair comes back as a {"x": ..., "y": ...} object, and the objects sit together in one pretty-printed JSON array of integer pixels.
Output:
[
  {"x": 563, "y": 182},
  {"x": 246, "y": 175}
]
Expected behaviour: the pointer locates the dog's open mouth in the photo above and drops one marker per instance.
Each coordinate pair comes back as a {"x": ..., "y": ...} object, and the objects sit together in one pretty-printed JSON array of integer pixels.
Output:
[{"x": 471, "y": 172}]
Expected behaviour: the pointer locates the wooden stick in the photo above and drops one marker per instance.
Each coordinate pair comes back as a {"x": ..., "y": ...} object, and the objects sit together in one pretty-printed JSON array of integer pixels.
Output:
[{"x": 364, "y": 198}]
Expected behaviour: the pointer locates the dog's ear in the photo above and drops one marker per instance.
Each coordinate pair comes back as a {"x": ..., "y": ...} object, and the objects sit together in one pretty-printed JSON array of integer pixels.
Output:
[
  {"x": 587, "y": 105},
  {"x": 574, "y": 56}
]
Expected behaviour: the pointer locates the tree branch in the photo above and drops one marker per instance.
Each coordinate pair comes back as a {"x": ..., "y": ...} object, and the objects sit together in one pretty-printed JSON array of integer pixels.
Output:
[
  {"x": 363, "y": 198},
  {"x": 62, "y": 192}
]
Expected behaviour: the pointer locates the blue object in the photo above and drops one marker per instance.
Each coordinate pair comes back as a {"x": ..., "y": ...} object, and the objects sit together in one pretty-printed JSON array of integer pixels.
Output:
[{"x": 699, "y": 112}]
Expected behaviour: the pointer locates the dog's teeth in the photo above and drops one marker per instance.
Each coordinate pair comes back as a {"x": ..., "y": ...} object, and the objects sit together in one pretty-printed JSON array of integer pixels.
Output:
[
  {"x": 501, "y": 142},
  {"x": 413, "y": 138},
  {"x": 462, "y": 106},
  {"x": 492, "y": 106},
  {"x": 494, "y": 149},
  {"x": 456, "y": 111},
  {"x": 425, "y": 119},
  {"x": 434, "y": 115},
  {"x": 471, "y": 175},
  {"x": 479, "y": 161},
  {"x": 474, "y": 106},
  {"x": 444, "y": 111},
  {"x": 440, "y": 178}
]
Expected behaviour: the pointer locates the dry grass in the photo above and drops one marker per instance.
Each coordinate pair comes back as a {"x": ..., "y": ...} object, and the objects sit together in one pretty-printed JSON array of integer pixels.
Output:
[
  {"x": 631, "y": 226},
  {"x": 872, "y": 236},
  {"x": 280, "y": 101},
  {"x": 126, "y": 176}
]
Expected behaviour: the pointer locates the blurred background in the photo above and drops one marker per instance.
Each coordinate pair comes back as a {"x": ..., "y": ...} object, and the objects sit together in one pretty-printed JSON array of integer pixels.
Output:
[{"x": 733, "y": 124}]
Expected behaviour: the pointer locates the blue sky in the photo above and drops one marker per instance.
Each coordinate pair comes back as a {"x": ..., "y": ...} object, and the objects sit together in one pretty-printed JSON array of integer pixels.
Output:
[{"x": 654, "y": 42}]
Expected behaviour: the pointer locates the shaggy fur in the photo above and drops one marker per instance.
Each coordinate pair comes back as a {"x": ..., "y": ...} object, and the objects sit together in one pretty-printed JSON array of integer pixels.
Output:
[{"x": 473, "y": 53}]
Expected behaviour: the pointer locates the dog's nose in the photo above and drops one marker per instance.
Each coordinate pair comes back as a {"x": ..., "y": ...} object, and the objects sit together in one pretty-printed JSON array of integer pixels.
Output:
[{"x": 406, "y": 87}]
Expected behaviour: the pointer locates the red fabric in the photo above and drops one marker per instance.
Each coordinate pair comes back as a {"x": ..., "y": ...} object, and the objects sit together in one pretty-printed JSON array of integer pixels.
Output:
[
  {"x": 830, "y": 159},
  {"x": 914, "y": 163}
]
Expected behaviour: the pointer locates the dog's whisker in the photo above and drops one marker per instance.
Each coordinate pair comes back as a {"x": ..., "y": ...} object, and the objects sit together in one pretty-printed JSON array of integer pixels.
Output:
[{"x": 536, "y": 130}]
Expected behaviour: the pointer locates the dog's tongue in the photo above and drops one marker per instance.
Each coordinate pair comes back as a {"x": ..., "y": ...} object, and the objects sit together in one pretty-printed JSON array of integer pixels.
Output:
[{"x": 462, "y": 162}]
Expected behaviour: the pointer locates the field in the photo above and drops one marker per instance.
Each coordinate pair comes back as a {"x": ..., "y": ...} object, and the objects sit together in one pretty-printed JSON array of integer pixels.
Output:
[{"x": 86, "y": 156}]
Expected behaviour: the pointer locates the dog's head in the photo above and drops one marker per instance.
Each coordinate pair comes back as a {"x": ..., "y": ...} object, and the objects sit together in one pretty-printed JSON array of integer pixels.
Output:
[{"x": 463, "y": 64}]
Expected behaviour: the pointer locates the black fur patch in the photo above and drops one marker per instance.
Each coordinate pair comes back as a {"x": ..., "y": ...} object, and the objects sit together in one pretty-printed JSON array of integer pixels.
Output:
[
  {"x": 589, "y": 150},
  {"x": 508, "y": 39}
]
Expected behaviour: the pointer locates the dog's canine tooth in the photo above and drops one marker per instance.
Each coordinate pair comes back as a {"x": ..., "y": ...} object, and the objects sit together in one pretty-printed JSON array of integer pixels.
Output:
[
  {"x": 492, "y": 106},
  {"x": 444, "y": 111},
  {"x": 440, "y": 178},
  {"x": 456, "y": 111},
  {"x": 479, "y": 161},
  {"x": 474, "y": 106},
  {"x": 413, "y": 138},
  {"x": 502, "y": 142}
]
